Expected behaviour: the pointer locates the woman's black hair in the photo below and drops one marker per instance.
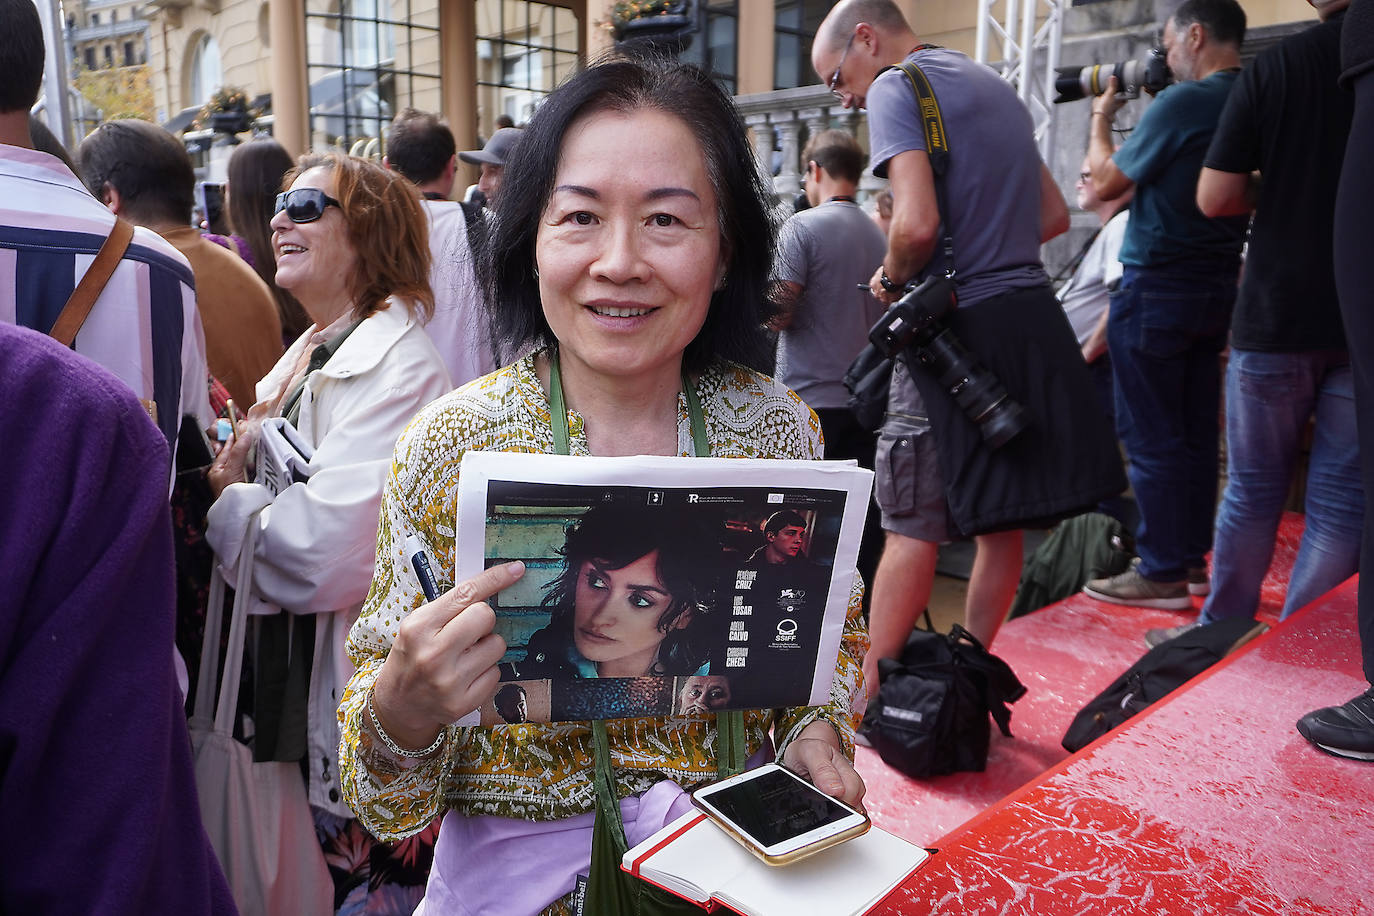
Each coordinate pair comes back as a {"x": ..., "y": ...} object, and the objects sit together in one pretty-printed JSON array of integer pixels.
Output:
[
  {"x": 733, "y": 326},
  {"x": 690, "y": 563}
]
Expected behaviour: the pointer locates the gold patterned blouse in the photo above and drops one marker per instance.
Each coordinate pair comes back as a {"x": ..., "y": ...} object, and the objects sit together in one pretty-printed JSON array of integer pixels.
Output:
[{"x": 544, "y": 771}]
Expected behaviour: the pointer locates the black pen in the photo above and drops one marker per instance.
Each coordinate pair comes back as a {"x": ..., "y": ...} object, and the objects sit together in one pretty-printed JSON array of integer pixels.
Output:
[{"x": 419, "y": 561}]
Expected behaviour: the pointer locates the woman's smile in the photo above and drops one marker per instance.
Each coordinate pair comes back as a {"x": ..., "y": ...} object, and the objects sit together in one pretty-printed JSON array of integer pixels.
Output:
[{"x": 619, "y": 311}]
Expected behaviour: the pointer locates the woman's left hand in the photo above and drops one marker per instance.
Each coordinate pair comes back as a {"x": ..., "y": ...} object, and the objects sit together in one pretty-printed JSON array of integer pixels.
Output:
[{"x": 816, "y": 755}]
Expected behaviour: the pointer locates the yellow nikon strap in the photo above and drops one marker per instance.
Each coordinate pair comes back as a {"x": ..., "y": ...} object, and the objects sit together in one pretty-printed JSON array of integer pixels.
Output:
[
  {"x": 937, "y": 141},
  {"x": 937, "y": 146}
]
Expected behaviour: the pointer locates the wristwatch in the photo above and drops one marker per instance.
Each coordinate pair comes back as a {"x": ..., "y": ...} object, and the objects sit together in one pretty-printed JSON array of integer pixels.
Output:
[{"x": 888, "y": 284}]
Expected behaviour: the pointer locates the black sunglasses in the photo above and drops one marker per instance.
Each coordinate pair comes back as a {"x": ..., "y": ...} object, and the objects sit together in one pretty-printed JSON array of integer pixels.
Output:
[{"x": 304, "y": 205}]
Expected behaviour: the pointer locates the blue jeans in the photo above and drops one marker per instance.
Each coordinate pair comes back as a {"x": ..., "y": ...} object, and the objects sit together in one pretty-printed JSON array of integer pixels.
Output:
[
  {"x": 1269, "y": 397},
  {"x": 1165, "y": 331}
]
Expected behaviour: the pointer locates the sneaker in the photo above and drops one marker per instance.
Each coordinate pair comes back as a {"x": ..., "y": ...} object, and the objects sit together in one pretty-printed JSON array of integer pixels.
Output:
[
  {"x": 1164, "y": 634},
  {"x": 1134, "y": 589},
  {"x": 1346, "y": 731},
  {"x": 1198, "y": 582}
]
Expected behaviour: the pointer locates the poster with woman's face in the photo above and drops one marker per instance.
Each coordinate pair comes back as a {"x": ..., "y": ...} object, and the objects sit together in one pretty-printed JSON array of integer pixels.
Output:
[{"x": 661, "y": 586}]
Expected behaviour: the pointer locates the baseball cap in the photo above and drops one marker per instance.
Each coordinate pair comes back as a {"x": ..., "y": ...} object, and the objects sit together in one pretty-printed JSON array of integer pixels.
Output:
[{"x": 497, "y": 150}]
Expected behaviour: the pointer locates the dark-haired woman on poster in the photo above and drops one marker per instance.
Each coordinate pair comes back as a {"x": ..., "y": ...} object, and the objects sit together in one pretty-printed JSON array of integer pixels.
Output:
[{"x": 635, "y": 599}]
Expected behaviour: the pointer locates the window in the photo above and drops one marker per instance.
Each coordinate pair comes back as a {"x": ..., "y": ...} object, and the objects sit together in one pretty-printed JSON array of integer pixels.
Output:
[
  {"x": 90, "y": 58},
  {"x": 715, "y": 46},
  {"x": 95, "y": 19},
  {"x": 794, "y": 26},
  {"x": 366, "y": 60},
  {"x": 206, "y": 74},
  {"x": 524, "y": 49},
  {"x": 129, "y": 54},
  {"x": 109, "y": 55}
]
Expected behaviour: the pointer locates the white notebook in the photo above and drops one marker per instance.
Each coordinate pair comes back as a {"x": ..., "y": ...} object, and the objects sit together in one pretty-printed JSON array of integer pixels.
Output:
[{"x": 696, "y": 860}]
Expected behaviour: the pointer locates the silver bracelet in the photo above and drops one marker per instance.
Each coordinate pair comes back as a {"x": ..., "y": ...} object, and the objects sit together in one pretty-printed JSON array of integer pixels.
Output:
[{"x": 391, "y": 745}]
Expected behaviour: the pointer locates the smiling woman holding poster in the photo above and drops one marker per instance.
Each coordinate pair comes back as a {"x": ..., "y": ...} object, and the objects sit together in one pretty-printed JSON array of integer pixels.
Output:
[{"x": 632, "y": 246}]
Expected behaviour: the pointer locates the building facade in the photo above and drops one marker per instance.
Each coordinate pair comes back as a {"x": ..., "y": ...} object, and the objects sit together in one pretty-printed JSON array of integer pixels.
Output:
[{"x": 332, "y": 73}]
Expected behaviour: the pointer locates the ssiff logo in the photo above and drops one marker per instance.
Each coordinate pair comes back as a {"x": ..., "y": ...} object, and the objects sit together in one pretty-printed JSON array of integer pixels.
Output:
[{"x": 787, "y": 630}]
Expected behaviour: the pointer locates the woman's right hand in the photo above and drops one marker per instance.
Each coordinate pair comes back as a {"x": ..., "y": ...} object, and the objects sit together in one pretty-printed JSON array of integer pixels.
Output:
[
  {"x": 442, "y": 665},
  {"x": 231, "y": 463}
]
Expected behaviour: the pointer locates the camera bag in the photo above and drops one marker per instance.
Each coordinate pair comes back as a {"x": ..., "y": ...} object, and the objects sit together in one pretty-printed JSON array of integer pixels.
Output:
[
  {"x": 869, "y": 376},
  {"x": 930, "y": 716}
]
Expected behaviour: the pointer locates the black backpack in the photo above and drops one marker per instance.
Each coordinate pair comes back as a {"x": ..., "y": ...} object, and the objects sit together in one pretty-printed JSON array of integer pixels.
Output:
[
  {"x": 930, "y": 716},
  {"x": 1159, "y": 672}
]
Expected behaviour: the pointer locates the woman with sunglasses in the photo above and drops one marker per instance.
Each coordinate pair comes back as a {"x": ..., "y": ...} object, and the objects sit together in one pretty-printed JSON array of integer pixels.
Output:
[
  {"x": 350, "y": 243},
  {"x": 632, "y": 248}
]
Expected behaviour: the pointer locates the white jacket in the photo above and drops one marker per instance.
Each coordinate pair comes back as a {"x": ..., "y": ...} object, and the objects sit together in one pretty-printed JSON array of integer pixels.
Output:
[{"x": 317, "y": 540}]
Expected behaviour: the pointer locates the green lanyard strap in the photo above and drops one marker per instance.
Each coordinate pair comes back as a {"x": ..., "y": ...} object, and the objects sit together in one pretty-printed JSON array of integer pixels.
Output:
[
  {"x": 558, "y": 413},
  {"x": 610, "y": 890}
]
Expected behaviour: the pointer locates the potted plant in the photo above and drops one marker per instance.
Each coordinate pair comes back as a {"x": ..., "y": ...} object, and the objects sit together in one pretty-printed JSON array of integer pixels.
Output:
[
  {"x": 226, "y": 112},
  {"x": 660, "y": 25}
]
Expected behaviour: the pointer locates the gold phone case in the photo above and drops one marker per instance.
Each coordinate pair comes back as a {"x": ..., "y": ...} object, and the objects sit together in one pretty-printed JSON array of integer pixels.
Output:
[{"x": 795, "y": 855}]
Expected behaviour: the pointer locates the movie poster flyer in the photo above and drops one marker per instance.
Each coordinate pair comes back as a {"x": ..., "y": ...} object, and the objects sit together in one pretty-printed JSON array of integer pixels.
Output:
[{"x": 662, "y": 586}]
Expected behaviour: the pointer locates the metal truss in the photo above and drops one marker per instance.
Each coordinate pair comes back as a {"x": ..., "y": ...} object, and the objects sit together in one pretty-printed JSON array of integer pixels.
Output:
[{"x": 1029, "y": 54}]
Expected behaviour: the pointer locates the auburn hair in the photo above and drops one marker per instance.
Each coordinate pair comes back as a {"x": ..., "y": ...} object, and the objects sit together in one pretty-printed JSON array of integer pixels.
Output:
[{"x": 388, "y": 229}]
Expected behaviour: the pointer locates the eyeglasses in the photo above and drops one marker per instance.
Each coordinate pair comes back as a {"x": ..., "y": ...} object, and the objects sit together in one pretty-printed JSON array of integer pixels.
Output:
[
  {"x": 304, "y": 205},
  {"x": 833, "y": 83}
]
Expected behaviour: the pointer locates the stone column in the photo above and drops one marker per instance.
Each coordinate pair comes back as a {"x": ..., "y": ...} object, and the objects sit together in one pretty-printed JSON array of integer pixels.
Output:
[
  {"x": 754, "y": 48},
  {"x": 458, "y": 75},
  {"x": 762, "y": 133},
  {"x": 788, "y": 181},
  {"x": 290, "y": 88}
]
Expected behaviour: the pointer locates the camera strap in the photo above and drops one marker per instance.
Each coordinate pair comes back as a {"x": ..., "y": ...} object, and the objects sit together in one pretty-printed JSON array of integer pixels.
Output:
[{"x": 937, "y": 147}]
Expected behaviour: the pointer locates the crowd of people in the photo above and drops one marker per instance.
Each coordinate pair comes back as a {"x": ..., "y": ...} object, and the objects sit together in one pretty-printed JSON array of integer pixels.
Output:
[{"x": 581, "y": 300}]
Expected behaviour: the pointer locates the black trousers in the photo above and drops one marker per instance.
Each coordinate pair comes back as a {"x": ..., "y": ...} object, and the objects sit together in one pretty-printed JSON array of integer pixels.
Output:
[
  {"x": 845, "y": 438},
  {"x": 1355, "y": 286}
]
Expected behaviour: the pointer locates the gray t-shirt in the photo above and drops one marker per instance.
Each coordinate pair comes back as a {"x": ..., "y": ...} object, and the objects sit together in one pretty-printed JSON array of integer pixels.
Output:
[
  {"x": 993, "y": 182},
  {"x": 827, "y": 250}
]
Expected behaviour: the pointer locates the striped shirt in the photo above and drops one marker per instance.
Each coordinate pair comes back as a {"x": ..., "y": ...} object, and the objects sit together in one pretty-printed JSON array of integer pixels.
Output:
[{"x": 144, "y": 328}]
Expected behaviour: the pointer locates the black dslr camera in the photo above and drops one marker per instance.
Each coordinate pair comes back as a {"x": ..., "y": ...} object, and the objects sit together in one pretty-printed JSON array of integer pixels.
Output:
[
  {"x": 915, "y": 323},
  {"x": 1150, "y": 73}
]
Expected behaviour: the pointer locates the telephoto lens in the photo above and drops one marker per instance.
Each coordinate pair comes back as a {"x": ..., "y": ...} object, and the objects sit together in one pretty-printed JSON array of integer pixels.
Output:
[
  {"x": 1150, "y": 73},
  {"x": 915, "y": 323},
  {"x": 979, "y": 393}
]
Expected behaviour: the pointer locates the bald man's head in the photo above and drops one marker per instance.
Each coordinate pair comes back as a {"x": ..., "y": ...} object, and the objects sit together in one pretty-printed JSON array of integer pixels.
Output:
[{"x": 855, "y": 41}]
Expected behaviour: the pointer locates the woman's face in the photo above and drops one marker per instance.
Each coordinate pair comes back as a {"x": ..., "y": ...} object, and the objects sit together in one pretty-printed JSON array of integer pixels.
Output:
[
  {"x": 615, "y": 618},
  {"x": 315, "y": 260},
  {"x": 629, "y": 247}
]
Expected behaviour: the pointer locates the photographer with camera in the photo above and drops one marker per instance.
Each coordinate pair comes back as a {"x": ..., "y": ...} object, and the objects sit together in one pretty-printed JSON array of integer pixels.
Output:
[
  {"x": 1278, "y": 150},
  {"x": 936, "y": 474},
  {"x": 1170, "y": 315}
]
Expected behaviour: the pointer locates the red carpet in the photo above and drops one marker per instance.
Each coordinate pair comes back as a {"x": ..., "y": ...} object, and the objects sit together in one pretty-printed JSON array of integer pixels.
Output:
[{"x": 1210, "y": 802}]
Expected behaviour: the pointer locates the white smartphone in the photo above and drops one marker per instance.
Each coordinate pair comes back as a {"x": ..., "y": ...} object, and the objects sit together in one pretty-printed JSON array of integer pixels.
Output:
[{"x": 777, "y": 815}]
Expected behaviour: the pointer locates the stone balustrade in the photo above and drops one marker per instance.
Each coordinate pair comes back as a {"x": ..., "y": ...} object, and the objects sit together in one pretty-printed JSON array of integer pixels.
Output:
[{"x": 780, "y": 123}]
